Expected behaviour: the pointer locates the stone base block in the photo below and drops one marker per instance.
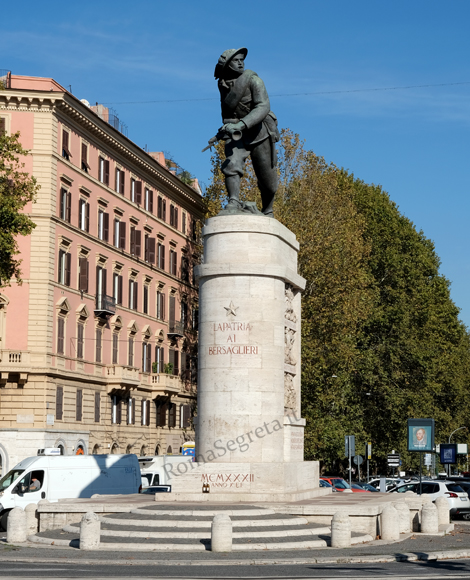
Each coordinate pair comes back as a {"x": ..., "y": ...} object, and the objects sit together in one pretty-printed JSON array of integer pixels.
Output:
[{"x": 242, "y": 481}]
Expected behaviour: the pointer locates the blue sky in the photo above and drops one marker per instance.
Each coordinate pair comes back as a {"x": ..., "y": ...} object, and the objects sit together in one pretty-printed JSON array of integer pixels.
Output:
[{"x": 414, "y": 142}]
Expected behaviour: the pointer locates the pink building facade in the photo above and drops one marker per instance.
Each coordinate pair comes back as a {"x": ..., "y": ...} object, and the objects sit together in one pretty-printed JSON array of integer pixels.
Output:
[{"x": 98, "y": 345}]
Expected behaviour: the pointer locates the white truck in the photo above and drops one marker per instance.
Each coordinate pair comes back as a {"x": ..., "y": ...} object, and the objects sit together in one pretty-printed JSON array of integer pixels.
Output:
[
  {"x": 160, "y": 469},
  {"x": 67, "y": 476}
]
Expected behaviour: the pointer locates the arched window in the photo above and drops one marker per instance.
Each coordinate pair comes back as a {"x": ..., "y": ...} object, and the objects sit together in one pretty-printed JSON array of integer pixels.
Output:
[
  {"x": 129, "y": 449},
  {"x": 157, "y": 450},
  {"x": 114, "y": 449},
  {"x": 169, "y": 451},
  {"x": 143, "y": 451},
  {"x": 96, "y": 449}
]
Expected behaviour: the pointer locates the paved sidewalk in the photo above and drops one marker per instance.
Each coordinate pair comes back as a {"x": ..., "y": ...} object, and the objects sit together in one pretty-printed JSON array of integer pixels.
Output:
[{"x": 454, "y": 545}]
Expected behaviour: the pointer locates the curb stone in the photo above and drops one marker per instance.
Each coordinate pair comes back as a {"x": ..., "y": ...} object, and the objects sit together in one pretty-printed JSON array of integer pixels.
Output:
[{"x": 385, "y": 559}]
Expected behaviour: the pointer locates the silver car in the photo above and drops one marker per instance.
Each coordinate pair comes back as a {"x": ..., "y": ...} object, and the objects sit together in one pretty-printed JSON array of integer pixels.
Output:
[{"x": 459, "y": 503}]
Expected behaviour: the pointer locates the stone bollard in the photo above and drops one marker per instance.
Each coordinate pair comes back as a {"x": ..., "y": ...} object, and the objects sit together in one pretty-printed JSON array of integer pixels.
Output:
[
  {"x": 390, "y": 527},
  {"x": 404, "y": 521},
  {"x": 31, "y": 511},
  {"x": 221, "y": 534},
  {"x": 16, "y": 526},
  {"x": 90, "y": 528},
  {"x": 429, "y": 519},
  {"x": 443, "y": 511},
  {"x": 340, "y": 531}
]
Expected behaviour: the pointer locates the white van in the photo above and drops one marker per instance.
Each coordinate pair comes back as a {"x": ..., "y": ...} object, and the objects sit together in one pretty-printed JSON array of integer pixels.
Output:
[
  {"x": 67, "y": 476},
  {"x": 160, "y": 469}
]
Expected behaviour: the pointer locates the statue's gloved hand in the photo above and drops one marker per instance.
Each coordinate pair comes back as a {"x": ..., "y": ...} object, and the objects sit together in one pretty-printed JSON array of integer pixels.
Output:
[{"x": 230, "y": 128}]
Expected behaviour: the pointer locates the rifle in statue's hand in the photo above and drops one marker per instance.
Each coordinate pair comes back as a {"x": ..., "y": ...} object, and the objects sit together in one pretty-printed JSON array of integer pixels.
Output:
[{"x": 222, "y": 135}]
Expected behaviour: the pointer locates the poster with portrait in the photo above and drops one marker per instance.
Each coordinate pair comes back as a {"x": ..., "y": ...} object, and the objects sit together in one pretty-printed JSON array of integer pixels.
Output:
[{"x": 421, "y": 435}]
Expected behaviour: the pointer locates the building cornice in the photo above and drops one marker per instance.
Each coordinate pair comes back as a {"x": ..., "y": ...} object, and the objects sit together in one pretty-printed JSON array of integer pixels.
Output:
[{"x": 69, "y": 106}]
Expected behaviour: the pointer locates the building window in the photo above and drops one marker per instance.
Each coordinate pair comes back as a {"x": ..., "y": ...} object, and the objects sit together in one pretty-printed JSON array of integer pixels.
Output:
[
  {"x": 148, "y": 202},
  {"x": 130, "y": 411},
  {"x": 159, "y": 359},
  {"x": 136, "y": 242},
  {"x": 184, "y": 269},
  {"x": 79, "y": 405},
  {"x": 80, "y": 340},
  {"x": 60, "y": 335},
  {"x": 160, "y": 306},
  {"x": 145, "y": 305},
  {"x": 145, "y": 413},
  {"x": 65, "y": 145},
  {"x": 116, "y": 410},
  {"x": 161, "y": 208},
  {"x": 65, "y": 262},
  {"x": 3, "y": 126},
  {"x": 85, "y": 165},
  {"x": 103, "y": 225},
  {"x": 136, "y": 191},
  {"x": 120, "y": 177},
  {"x": 65, "y": 205},
  {"x": 83, "y": 271},
  {"x": 97, "y": 407},
  {"x": 130, "y": 357},
  {"x": 83, "y": 215},
  {"x": 146, "y": 357},
  {"x": 174, "y": 361},
  {"x": 161, "y": 411},
  {"x": 149, "y": 249},
  {"x": 59, "y": 403},
  {"x": 103, "y": 170},
  {"x": 195, "y": 318},
  {"x": 173, "y": 258},
  {"x": 99, "y": 336},
  {"x": 183, "y": 223},
  {"x": 133, "y": 293},
  {"x": 185, "y": 416},
  {"x": 174, "y": 216},
  {"x": 115, "y": 348},
  {"x": 184, "y": 314},
  {"x": 117, "y": 288},
  {"x": 119, "y": 234},
  {"x": 171, "y": 415},
  {"x": 161, "y": 256},
  {"x": 100, "y": 282},
  {"x": 194, "y": 230}
]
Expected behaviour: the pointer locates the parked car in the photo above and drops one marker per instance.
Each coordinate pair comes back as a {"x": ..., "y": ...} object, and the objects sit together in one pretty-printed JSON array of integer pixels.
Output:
[
  {"x": 459, "y": 503},
  {"x": 153, "y": 489},
  {"x": 338, "y": 483},
  {"x": 324, "y": 483},
  {"x": 465, "y": 485},
  {"x": 357, "y": 487},
  {"x": 366, "y": 486},
  {"x": 389, "y": 482}
]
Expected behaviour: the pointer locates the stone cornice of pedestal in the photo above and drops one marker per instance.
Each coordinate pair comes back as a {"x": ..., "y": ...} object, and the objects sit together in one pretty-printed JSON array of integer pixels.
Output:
[
  {"x": 252, "y": 224},
  {"x": 286, "y": 274}
]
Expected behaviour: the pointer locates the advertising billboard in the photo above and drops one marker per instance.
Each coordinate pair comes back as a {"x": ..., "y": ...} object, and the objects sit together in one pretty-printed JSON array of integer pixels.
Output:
[{"x": 421, "y": 435}]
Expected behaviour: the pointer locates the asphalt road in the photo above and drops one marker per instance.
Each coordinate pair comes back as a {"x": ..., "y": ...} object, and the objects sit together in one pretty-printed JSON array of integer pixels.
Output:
[{"x": 403, "y": 571}]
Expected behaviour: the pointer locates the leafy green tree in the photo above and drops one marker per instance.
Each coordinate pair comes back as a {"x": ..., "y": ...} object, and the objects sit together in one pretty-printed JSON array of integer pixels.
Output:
[{"x": 17, "y": 188}]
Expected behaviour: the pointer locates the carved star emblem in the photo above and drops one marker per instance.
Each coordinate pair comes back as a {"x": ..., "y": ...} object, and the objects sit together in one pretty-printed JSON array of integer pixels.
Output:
[{"x": 232, "y": 309}]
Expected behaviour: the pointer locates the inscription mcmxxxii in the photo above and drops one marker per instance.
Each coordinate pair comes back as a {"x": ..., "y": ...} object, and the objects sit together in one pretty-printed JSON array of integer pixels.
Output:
[{"x": 227, "y": 479}]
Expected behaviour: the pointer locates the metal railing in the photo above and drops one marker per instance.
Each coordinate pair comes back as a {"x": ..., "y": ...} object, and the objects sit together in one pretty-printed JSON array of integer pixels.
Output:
[
  {"x": 105, "y": 304},
  {"x": 175, "y": 327}
]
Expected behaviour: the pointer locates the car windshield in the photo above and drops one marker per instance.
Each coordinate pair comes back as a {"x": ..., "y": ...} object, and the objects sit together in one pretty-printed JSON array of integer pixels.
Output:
[
  {"x": 9, "y": 478},
  {"x": 340, "y": 483}
]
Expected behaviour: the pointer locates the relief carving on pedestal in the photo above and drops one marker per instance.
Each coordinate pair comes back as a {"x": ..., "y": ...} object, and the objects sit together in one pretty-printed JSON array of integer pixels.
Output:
[{"x": 290, "y": 360}]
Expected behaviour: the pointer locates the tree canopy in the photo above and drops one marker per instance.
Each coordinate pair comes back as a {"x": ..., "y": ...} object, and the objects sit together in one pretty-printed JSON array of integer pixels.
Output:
[
  {"x": 381, "y": 337},
  {"x": 17, "y": 188}
]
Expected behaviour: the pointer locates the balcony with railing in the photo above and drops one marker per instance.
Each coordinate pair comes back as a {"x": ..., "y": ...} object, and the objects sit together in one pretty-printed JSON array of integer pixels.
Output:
[
  {"x": 105, "y": 306},
  {"x": 14, "y": 364},
  {"x": 121, "y": 376},
  {"x": 165, "y": 383},
  {"x": 175, "y": 329}
]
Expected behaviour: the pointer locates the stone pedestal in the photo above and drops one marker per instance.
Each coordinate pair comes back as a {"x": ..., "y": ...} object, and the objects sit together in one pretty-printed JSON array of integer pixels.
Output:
[{"x": 249, "y": 433}]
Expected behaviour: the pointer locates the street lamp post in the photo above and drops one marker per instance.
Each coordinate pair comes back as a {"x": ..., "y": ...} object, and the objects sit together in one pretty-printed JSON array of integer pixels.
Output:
[{"x": 450, "y": 436}]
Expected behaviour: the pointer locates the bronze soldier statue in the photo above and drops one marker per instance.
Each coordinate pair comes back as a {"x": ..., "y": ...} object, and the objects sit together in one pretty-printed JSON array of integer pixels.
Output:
[{"x": 250, "y": 128}]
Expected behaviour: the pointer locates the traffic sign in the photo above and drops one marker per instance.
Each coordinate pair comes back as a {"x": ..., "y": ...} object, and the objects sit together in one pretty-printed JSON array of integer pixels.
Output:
[
  {"x": 358, "y": 460},
  {"x": 349, "y": 445},
  {"x": 393, "y": 459}
]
